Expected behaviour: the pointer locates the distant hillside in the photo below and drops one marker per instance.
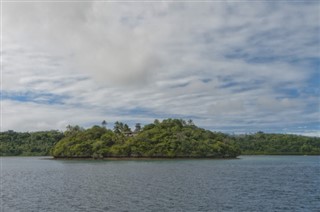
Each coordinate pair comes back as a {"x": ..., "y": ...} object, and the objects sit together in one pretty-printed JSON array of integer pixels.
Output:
[
  {"x": 277, "y": 144},
  {"x": 28, "y": 144},
  {"x": 169, "y": 139}
]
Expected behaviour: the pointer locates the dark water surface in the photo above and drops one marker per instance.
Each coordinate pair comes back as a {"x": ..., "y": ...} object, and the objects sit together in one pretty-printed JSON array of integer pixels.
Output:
[{"x": 251, "y": 183}]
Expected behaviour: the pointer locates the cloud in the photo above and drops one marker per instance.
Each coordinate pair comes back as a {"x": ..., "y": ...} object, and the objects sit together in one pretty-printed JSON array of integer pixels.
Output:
[
  {"x": 130, "y": 43},
  {"x": 229, "y": 66},
  {"x": 95, "y": 40}
]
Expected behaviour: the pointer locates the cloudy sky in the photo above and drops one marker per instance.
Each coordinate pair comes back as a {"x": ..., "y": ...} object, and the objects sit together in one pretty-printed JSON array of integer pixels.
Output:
[{"x": 231, "y": 66}]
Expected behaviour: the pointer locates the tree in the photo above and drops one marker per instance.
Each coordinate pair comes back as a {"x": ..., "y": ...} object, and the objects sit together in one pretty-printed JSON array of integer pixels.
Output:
[
  {"x": 119, "y": 127},
  {"x": 190, "y": 122},
  {"x": 126, "y": 129},
  {"x": 104, "y": 123},
  {"x": 137, "y": 128},
  {"x": 72, "y": 130},
  {"x": 156, "y": 122}
]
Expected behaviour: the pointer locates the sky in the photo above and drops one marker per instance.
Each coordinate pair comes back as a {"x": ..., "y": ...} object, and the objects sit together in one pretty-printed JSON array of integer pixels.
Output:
[{"x": 230, "y": 66}]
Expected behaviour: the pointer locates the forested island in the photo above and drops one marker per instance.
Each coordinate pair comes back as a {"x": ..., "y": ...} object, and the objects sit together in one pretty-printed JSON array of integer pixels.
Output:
[
  {"x": 28, "y": 143},
  {"x": 277, "y": 144},
  {"x": 170, "y": 138}
]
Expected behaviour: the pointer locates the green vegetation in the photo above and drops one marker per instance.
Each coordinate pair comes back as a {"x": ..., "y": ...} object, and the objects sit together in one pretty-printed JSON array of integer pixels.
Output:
[
  {"x": 171, "y": 138},
  {"x": 277, "y": 144},
  {"x": 28, "y": 144}
]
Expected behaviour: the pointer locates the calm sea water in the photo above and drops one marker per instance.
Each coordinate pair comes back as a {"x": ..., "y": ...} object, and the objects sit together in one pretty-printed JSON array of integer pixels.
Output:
[{"x": 250, "y": 183}]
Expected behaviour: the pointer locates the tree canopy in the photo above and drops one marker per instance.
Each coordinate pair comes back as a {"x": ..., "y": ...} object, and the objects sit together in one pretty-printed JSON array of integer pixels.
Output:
[
  {"x": 277, "y": 144},
  {"x": 170, "y": 138},
  {"x": 28, "y": 143}
]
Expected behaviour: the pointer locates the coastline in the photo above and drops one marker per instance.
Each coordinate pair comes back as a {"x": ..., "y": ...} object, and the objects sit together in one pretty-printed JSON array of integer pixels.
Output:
[{"x": 144, "y": 158}]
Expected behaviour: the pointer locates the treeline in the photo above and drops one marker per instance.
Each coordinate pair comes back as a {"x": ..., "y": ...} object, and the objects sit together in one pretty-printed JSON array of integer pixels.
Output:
[
  {"x": 28, "y": 143},
  {"x": 171, "y": 138},
  {"x": 277, "y": 144}
]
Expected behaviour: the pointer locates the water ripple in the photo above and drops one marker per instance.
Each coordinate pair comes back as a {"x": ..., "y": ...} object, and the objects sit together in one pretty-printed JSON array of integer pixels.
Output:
[{"x": 253, "y": 183}]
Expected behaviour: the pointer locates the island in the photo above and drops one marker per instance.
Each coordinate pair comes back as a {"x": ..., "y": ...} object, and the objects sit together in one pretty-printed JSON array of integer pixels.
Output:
[{"x": 169, "y": 138}]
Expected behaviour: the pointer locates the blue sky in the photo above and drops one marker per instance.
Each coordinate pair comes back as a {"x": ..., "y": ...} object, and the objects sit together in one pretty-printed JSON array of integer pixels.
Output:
[{"x": 235, "y": 67}]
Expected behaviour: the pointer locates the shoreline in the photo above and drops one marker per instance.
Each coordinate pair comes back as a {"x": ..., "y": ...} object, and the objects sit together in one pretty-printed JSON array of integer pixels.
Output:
[
  {"x": 137, "y": 158},
  {"x": 143, "y": 158}
]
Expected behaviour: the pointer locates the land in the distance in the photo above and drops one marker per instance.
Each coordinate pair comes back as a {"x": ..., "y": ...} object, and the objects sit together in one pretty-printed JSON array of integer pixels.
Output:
[{"x": 170, "y": 138}]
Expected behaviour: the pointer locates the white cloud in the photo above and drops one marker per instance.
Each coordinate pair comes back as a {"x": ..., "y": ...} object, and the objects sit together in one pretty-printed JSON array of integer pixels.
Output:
[{"x": 221, "y": 63}]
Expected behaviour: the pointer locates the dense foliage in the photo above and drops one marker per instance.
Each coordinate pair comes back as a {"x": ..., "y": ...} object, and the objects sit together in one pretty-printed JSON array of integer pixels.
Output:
[
  {"x": 277, "y": 144},
  {"x": 170, "y": 138},
  {"x": 28, "y": 144}
]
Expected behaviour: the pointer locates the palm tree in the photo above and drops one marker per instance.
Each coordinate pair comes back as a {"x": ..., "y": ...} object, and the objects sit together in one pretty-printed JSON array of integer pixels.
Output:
[{"x": 104, "y": 124}]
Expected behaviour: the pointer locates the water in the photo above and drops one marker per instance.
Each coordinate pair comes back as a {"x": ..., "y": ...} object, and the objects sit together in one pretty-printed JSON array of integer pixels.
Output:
[{"x": 251, "y": 183}]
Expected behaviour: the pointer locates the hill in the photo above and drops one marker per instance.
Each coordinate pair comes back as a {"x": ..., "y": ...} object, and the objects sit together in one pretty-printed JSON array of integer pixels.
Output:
[{"x": 171, "y": 138}]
